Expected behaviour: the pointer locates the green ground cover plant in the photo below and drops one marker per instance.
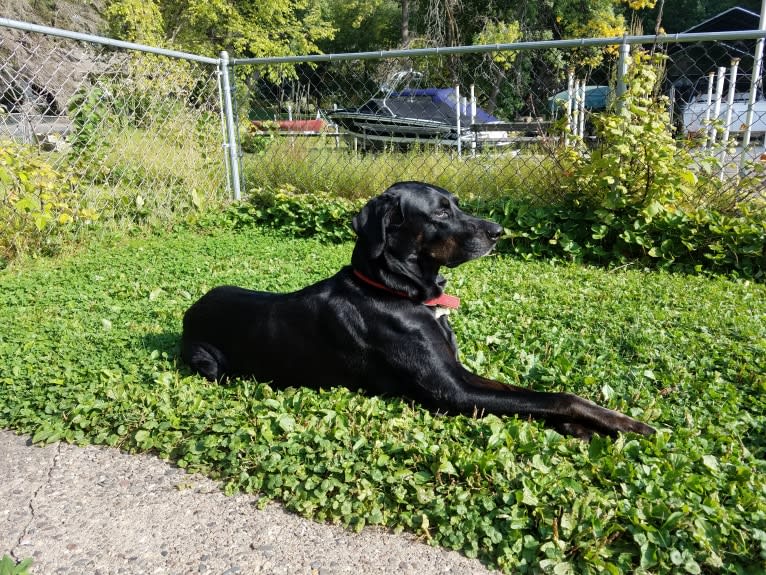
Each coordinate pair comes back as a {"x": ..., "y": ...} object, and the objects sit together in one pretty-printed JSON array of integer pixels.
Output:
[
  {"x": 9, "y": 567},
  {"x": 88, "y": 354}
]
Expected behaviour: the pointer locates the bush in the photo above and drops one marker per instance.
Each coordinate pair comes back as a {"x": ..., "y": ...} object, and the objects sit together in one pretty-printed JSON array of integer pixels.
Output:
[
  {"x": 37, "y": 203},
  {"x": 319, "y": 215},
  {"x": 253, "y": 140},
  {"x": 638, "y": 161},
  {"x": 631, "y": 199},
  {"x": 655, "y": 236}
]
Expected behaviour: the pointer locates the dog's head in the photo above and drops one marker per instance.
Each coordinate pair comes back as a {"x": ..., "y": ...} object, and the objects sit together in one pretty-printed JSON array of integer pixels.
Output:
[{"x": 414, "y": 228}]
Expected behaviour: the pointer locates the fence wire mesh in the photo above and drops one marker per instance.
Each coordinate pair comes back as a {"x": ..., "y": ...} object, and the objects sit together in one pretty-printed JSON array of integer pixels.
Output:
[
  {"x": 105, "y": 133},
  {"x": 504, "y": 122}
]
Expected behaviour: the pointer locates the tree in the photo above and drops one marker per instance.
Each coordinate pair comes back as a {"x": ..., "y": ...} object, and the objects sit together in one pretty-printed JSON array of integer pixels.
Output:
[
  {"x": 405, "y": 22},
  {"x": 361, "y": 25},
  {"x": 245, "y": 28},
  {"x": 135, "y": 21},
  {"x": 495, "y": 32}
]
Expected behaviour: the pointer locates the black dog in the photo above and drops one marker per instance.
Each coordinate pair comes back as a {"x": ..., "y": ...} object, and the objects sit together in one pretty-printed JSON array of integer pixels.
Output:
[{"x": 377, "y": 324}]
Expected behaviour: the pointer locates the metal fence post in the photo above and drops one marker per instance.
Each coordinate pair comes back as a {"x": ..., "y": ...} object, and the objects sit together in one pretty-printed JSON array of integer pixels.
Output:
[
  {"x": 231, "y": 126},
  {"x": 622, "y": 71}
]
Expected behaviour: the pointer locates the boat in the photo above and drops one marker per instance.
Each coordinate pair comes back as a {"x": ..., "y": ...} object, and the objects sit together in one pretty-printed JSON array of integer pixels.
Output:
[
  {"x": 402, "y": 115},
  {"x": 702, "y": 115}
]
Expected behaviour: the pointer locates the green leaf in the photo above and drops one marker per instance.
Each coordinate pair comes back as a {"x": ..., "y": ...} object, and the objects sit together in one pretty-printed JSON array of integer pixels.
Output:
[
  {"x": 691, "y": 566},
  {"x": 446, "y": 467},
  {"x": 529, "y": 498},
  {"x": 676, "y": 557},
  {"x": 710, "y": 462},
  {"x": 287, "y": 423}
]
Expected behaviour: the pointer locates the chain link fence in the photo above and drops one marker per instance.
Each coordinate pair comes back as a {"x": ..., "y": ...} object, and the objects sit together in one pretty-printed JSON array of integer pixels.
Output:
[
  {"x": 502, "y": 121},
  {"x": 97, "y": 130},
  {"x": 136, "y": 133}
]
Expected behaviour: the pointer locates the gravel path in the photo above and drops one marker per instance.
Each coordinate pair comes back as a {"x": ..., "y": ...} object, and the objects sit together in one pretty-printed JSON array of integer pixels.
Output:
[{"x": 95, "y": 510}]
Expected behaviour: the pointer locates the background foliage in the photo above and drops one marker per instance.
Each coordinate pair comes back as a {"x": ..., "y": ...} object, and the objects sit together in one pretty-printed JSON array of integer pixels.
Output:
[
  {"x": 38, "y": 207},
  {"x": 273, "y": 28}
]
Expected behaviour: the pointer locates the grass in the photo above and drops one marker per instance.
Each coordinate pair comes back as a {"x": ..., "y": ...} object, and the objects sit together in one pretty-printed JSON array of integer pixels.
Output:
[
  {"x": 88, "y": 354},
  {"x": 157, "y": 173},
  {"x": 316, "y": 165}
]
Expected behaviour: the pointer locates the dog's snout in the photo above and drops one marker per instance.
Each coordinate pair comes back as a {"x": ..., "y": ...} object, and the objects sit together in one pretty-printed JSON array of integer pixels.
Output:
[{"x": 494, "y": 231}]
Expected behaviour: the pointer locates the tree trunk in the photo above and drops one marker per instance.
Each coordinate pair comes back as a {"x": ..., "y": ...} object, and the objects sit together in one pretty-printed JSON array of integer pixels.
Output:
[{"x": 405, "y": 23}]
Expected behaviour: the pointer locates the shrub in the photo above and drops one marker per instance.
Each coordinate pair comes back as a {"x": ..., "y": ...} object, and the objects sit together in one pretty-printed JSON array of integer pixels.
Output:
[
  {"x": 633, "y": 199},
  {"x": 654, "y": 236},
  {"x": 320, "y": 215},
  {"x": 638, "y": 161},
  {"x": 253, "y": 140},
  {"x": 37, "y": 203}
]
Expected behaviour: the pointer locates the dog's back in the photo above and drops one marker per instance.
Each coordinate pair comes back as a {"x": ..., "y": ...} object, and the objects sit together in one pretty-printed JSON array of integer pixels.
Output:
[{"x": 293, "y": 338}]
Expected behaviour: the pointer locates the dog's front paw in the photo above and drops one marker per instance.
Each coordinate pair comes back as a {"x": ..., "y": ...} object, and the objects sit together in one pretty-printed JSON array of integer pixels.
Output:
[
  {"x": 575, "y": 430},
  {"x": 602, "y": 421},
  {"x": 621, "y": 423}
]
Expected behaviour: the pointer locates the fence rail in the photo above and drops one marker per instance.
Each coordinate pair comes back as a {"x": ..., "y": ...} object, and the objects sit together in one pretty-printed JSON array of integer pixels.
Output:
[{"x": 140, "y": 131}]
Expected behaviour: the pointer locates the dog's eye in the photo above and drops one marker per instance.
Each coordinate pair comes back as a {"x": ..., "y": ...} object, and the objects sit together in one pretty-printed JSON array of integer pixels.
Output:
[{"x": 441, "y": 214}]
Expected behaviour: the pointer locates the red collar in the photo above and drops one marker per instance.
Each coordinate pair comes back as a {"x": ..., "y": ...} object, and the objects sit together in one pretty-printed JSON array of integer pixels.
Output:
[{"x": 444, "y": 300}]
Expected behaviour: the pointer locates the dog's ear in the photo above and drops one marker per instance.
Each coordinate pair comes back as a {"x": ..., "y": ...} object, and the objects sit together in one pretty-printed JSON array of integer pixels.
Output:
[{"x": 371, "y": 222}]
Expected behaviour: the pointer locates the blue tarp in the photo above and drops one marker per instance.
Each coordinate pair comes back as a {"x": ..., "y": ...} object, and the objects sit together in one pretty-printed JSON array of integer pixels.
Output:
[{"x": 443, "y": 100}]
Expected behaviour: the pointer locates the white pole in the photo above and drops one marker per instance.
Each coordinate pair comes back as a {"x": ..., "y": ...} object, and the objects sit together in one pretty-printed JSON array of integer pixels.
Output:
[
  {"x": 457, "y": 109},
  {"x": 756, "y": 85},
  {"x": 730, "y": 99},
  {"x": 718, "y": 98},
  {"x": 708, "y": 107},
  {"x": 730, "y": 106},
  {"x": 582, "y": 108},
  {"x": 570, "y": 87},
  {"x": 575, "y": 106},
  {"x": 337, "y": 130},
  {"x": 622, "y": 71},
  {"x": 473, "y": 119}
]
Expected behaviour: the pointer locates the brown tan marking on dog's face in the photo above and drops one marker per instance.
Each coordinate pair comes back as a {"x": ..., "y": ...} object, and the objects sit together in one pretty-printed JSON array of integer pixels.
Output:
[{"x": 445, "y": 251}]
